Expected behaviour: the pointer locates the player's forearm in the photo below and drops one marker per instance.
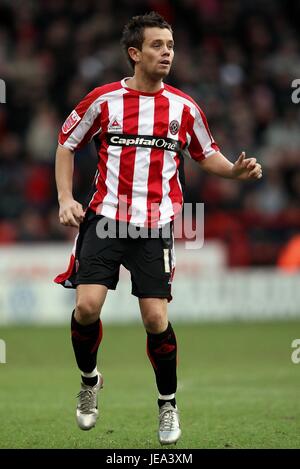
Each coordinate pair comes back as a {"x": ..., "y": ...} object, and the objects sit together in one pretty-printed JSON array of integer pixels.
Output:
[
  {"x": 219, "y": 165},
  {"x": 64, "y": 167}
]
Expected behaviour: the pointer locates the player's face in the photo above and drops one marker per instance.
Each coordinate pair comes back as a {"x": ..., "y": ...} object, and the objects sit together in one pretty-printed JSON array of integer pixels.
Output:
[{"x": 156, "y": 56}]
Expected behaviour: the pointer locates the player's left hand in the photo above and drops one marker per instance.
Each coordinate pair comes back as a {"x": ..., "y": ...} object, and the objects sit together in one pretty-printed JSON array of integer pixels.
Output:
[{"x": 246, "y": 168}]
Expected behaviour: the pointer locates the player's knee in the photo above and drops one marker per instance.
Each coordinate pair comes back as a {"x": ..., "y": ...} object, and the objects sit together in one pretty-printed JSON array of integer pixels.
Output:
[
  {"x": 155, "y": 322},
  {"x": 88, "y": 309}
]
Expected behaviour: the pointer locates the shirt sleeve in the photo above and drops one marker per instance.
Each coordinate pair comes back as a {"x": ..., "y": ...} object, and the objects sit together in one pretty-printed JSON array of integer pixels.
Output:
[
  {"x": 82, "y": 123},
  {"x": 201, "y": 144}
]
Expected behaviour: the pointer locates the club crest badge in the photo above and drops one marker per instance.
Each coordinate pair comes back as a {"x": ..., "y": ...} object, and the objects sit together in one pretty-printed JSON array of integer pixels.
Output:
[{"x": 174, "y": 127}]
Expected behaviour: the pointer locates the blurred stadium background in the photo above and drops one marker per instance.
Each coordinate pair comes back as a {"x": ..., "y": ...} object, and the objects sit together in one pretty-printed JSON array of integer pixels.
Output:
[{"x": 238, "y": 60}]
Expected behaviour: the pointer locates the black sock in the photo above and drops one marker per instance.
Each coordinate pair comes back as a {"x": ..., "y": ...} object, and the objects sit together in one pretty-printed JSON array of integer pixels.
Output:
[
  {"x": 162, "y": 352},
  {"x": 90, "y": 381},
  {"x": 161, "y": 402},
  {"x": 86, "y": 340}
]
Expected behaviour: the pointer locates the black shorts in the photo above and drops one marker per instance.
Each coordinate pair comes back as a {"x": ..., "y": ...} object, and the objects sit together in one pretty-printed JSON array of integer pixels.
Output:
[{"x": 150, "y": 260}]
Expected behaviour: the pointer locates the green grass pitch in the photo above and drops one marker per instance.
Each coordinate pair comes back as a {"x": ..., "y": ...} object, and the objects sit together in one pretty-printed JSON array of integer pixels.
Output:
[{"x": 237, "y": 388}]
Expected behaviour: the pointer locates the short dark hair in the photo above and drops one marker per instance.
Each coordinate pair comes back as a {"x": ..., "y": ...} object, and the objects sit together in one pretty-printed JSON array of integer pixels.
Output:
[{"x": 133, "y": 32}]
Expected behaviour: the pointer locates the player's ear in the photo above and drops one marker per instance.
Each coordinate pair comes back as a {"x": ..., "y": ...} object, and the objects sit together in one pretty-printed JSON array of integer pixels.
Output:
[{"x": 134, "y": 54}]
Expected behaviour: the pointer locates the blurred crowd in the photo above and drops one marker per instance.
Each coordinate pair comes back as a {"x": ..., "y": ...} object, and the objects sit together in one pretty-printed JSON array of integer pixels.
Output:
[{"x": 237, "y": 59}]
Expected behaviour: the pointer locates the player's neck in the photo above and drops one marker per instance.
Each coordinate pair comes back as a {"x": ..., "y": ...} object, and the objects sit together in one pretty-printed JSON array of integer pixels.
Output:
[{"x": 143, "y": 83}]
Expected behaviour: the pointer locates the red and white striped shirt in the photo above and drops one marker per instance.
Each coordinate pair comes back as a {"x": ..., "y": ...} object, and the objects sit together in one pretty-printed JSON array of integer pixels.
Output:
[{"x": 141, "y": 139}]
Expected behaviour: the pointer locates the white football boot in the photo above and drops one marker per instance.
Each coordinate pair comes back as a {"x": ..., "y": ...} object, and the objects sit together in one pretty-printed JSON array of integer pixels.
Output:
[
  {"x": 169, "y": 426},
  {"x": 87, "y": 408}
]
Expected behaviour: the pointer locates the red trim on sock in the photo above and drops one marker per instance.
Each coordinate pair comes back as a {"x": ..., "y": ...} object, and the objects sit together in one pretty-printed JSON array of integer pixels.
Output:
[
  {"x": 79, "y": 336},
  {"x": 150, "y": 357},
  {"x": 164, "y": 349},
  {"x": 98, "y": 341}
]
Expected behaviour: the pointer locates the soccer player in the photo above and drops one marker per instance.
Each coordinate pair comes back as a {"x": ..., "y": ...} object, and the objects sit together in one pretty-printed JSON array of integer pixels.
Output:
[{"x": 142, "y": 129}]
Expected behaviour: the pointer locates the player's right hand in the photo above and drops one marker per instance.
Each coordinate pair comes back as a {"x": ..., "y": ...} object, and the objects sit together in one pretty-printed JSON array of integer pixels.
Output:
[{"x": 71, "y": 213}]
